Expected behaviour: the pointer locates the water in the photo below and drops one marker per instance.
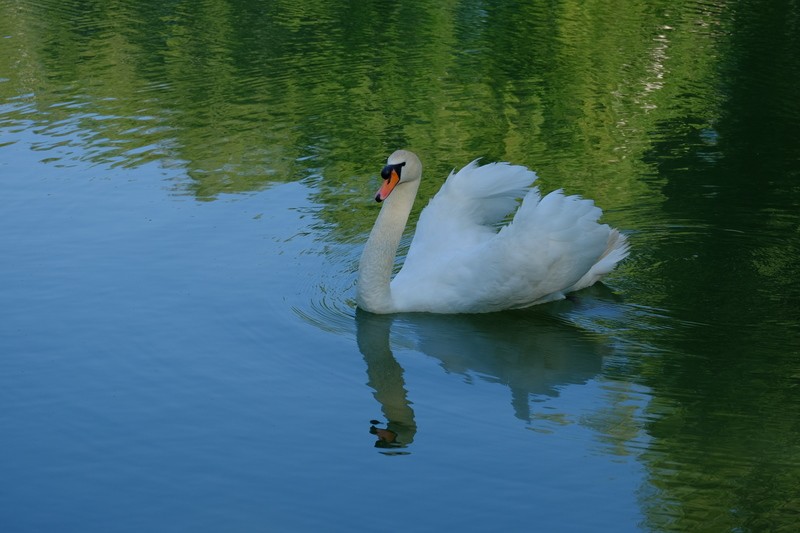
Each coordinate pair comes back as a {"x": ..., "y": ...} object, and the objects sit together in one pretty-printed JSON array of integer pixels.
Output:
[{"x": 185, "y": 192}]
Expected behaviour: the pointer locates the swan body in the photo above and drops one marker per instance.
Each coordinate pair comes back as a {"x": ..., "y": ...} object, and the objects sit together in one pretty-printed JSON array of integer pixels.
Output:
[{"x": 459, "y": 262}]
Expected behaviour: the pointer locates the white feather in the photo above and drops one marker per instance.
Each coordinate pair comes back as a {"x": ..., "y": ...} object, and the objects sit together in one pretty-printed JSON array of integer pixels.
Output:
[{"x": 459, "y": 262}]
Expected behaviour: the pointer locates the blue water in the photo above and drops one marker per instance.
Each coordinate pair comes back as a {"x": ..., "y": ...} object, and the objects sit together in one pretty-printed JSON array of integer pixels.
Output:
[
  {"x": 158, "y": 376},
  {"x": 184, "y": 194}
]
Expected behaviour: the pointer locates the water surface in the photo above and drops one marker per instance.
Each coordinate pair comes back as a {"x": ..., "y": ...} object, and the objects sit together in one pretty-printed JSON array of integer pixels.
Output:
[{"x": 185, "y": 192}]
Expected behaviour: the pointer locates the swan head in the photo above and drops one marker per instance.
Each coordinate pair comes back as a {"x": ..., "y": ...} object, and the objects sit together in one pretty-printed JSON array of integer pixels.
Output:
[{"x": 401, "y": 167}]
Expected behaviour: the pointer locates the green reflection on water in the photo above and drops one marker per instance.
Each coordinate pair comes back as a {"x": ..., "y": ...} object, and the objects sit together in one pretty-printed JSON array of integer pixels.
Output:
[{"x": 679, "y": 118}]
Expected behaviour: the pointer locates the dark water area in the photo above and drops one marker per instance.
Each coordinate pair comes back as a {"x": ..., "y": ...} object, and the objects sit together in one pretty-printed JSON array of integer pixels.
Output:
[{"x": 185, "y": 190}]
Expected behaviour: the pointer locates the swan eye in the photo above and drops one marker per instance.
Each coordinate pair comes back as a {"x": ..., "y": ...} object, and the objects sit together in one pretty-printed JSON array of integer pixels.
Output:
[{"x": 386, "y": 173}]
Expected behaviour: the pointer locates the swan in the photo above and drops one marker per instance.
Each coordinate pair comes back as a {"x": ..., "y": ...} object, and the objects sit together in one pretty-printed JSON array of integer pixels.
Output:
[{"x": 459, "y": 262}]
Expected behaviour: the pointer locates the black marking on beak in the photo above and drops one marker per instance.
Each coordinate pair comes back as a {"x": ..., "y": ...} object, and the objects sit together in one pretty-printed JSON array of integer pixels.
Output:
[{"x": 386, "y": 173}]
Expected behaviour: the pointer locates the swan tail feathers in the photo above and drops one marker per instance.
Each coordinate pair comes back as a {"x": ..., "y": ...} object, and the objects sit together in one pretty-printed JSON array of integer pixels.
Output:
[{"x": 617, "y": 250}]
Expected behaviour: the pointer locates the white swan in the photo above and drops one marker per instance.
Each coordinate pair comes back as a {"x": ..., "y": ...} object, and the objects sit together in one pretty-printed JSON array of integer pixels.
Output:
[{"x": 458, "y": 261}]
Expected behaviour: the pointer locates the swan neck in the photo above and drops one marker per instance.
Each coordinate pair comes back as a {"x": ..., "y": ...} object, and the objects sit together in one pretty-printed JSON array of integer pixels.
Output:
[{"x": 377, "y": 261}]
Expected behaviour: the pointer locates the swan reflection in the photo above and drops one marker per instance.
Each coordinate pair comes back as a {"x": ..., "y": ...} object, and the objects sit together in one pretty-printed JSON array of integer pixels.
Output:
[{"x": 531, "y": 353}]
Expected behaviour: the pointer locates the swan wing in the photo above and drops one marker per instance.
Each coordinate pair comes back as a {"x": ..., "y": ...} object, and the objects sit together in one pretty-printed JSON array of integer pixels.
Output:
[
  {"x": 466, "y": 210},
  {"x": 553, "y": 245}
]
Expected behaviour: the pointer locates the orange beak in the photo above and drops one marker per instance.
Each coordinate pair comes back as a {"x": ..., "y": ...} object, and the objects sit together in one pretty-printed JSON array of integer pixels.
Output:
[{"x": 388, "y": 186}]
